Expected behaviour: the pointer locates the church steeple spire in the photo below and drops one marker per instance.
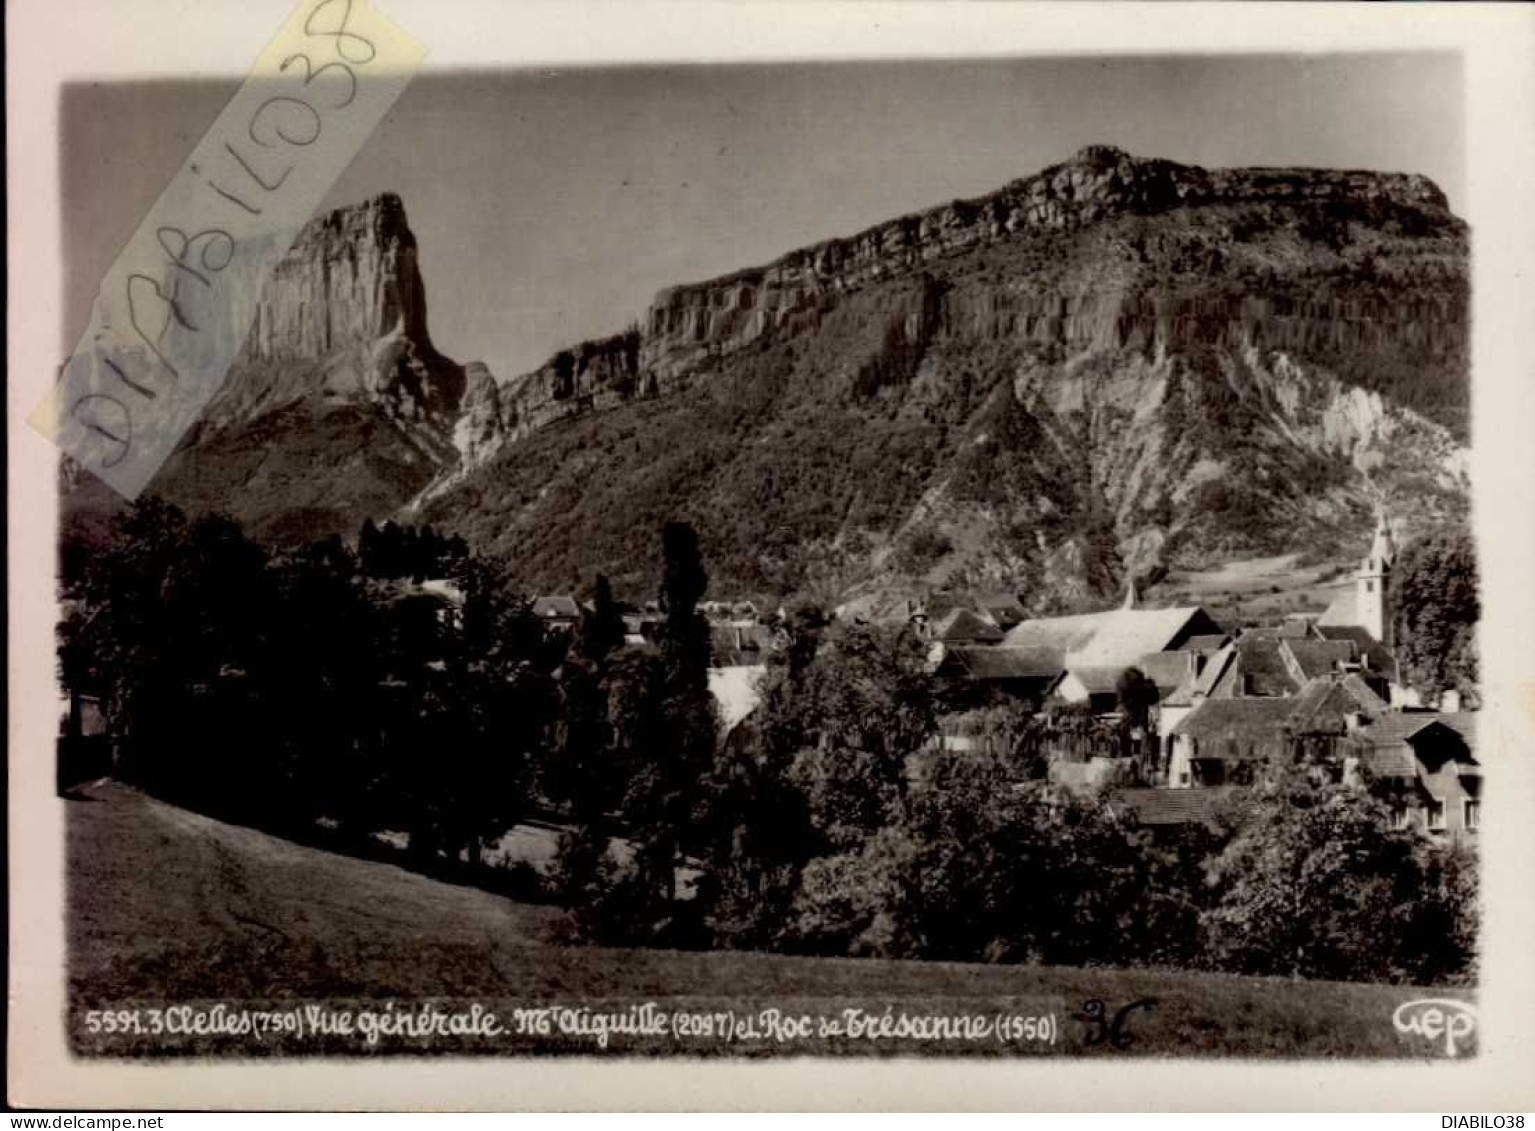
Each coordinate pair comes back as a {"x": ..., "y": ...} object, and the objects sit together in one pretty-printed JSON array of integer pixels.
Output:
[
  {"x": 1373, "y": 580},
  {"x": 1383, "y": 548}
]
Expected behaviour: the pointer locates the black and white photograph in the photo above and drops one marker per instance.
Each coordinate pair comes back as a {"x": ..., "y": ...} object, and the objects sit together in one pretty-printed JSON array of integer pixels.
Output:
[{"x": 953, "y": 559}]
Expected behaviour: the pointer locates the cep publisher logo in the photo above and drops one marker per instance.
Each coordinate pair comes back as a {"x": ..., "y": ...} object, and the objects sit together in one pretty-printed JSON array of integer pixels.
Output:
[{"x": 1437, "y": 1019}]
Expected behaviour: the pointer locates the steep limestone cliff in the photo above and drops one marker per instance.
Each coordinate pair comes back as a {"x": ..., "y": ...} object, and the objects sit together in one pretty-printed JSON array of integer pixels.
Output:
[
  {"x": 1100, "y": 182},
  {"x": 346, "y": 304},
  {"x": 338, "y": 406},
  {"x": 1179, "y": 257}
]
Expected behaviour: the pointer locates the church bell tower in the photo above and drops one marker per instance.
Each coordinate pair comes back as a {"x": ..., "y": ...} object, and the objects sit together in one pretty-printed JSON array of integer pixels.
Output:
[{"x": 1372, "y": 583}]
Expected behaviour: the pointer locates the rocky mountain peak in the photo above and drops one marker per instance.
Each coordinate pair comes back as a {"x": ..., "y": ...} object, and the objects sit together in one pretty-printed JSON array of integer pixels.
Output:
[
  {"x": 1098, "y": 155},
  {"x": 339, "y": 405},
  {"x": 343, "y": 319},
  {"x": 350, "y": 275}
]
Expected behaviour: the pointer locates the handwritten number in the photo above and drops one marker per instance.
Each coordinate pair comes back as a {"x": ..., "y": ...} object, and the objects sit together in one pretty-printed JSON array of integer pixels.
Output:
[
  {"x": 1116, "y": 1032},
  {"x": 310, "y": 74},
  {"x": 277, "y": 129},
  {"x": 126, "y": 424},
  {"x": 174, "y": 312},
  {"x": 339, "y": 33},
  {"x": 122, "y": 375},
  {"x": 252, "y": 174},
  {"x": 178, "y": 255}
]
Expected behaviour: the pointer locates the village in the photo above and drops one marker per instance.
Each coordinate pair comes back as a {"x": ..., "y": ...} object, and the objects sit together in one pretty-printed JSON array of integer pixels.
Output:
[{"x": 1221, "y": 700}]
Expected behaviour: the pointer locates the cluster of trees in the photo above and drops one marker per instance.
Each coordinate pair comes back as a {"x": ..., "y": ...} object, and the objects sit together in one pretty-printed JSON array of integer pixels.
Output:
[
  {"x": 1437, "y": 603},
  {"x": 285, "y": 689},
  {"x": 632, "y": 759},
  {"x": 320, "y": 687},
  {"x": 392, "y": 551}
]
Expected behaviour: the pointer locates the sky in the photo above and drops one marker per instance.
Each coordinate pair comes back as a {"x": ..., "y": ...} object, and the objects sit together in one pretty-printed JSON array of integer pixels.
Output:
[{"x": 550, "y": 205}]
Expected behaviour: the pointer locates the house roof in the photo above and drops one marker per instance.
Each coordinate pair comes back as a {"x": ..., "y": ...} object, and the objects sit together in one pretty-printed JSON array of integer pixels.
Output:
[
  {"x": 1369, "y": 702},
  {"x": 557, "y": 605},
  {"x": 1197, "y": 688},
  {"x": 1393, "y": 760},
  {"x": 1167, "y": 670},
  {"x": 1320, "y": 705},
  {"x": 1059, "y": 633},
  {"x": 1369, "y": 649},
  {"x": 1125, "y": 635},
  {"x": 1002, "y": 661},
  {"x": 1115, "y": 638},
  {"x": 446, "y": 588},
  {"x": 736, "y": 691},
  {"x": 1462, "y": 723},
  {"x": 1173, "y": 806},
  {"x": 735, "y": 644},
  {"x": 1388, "y": 742},
  {"x": 1396, "y": 727},
  {"x": 1003, "y": 608},
  {"x": 1235, "y": 718},
  {"x": 1258, "y": 668},
  {"x": 1318, "y": 657},
  {"x": 961, "y": 624}
]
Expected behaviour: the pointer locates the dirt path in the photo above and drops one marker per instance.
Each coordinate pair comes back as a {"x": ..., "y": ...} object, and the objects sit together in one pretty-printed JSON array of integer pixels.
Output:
[{"x": 171, "y": 903}]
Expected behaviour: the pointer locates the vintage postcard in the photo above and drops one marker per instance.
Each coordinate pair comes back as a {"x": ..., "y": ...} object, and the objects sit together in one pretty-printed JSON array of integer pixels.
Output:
[{"x": 771, "y": 555}]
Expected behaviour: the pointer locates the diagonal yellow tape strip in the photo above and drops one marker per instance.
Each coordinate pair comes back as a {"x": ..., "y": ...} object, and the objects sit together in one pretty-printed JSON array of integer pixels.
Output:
[{"x": 176, "y": 306}]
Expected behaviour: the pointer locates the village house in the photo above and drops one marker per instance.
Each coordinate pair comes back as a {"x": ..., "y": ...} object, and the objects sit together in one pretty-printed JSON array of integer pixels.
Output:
[
  {"x": 1001, "y": 609},
  {"x": 641, "y": 629},
  {"x": 976, "y": 619},
  {"x": 961, "y": 626},
  {"x": 743, "y": 644},
  {"x": 1094, "y": 650},
  {"x": 1425, "y": 762},
  {"x": 1167, "y": 812},
  {"x": 724, "y": 612},
  {"x": 1207, "y": 742},
  {"x": 449, "y": 598},
  {"x": 557, "y": 613},
  {"x": 991, "y": 674},
  {"x": 1224, "y": 741}
]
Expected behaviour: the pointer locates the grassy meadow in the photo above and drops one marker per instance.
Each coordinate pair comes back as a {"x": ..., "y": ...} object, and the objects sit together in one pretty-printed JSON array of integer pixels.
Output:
[{"x": 169, "y": 907}]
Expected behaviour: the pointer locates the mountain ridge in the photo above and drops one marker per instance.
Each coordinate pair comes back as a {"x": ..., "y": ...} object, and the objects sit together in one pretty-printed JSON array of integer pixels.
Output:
[{"x": 1111, "y": 366}]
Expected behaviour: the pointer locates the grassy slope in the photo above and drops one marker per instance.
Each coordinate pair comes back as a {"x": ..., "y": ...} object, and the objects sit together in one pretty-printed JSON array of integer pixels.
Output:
[{"x": 169, "y": 907}]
